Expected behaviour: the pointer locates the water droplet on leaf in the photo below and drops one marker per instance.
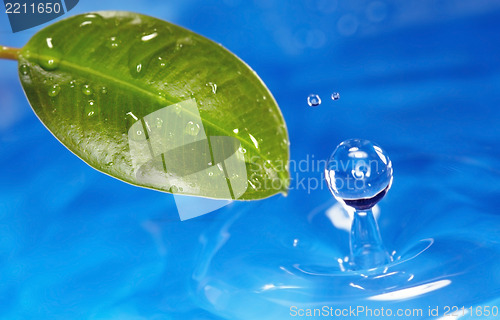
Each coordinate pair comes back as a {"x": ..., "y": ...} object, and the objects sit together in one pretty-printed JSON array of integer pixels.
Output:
[
  {"x": 49, "y": 57},
  {"x": 54, "y": 90},
  {"x": 87, "y": 90},
  {"x": 24, "y": 69},
  {"x": 192, "y": 128}
]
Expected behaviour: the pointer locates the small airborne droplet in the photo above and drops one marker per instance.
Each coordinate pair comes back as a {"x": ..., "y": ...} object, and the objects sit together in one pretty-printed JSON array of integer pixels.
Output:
[
  {"x": 72, "y": 83},
  {"x": 54, "y": 90},
  {"x": 313, "y": 100},
  {"x": 335, "y": 96},
  {"x": 192, "y": 128}
]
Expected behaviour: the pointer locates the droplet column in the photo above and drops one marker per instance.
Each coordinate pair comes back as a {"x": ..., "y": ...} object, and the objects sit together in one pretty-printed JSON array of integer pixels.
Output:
[
  {"x": 359, "y": 174},
  {"x": 366, "y": 246}
]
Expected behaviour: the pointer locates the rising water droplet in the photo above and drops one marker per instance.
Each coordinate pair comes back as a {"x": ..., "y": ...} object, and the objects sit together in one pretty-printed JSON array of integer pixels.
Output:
[
  {"x": 54, "y": 90},
  {"x": 87, "y": 90},
  {"x": 192, "y": 128},
  {"x": 358, "y": 169},
  {"x": 313, "y": 100},
  {"x": 335, "y": 96},
  {"x": 359, "y": 174},
  {"x": 174, "y": 189}
]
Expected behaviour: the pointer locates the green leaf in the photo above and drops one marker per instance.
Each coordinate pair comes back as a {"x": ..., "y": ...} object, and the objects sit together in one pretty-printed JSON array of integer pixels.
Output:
[{"x": 157, "y": 106}]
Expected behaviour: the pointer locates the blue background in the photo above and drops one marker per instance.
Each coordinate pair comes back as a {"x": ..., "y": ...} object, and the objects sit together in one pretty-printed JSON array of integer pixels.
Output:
[{"x": 414, "y": 76}]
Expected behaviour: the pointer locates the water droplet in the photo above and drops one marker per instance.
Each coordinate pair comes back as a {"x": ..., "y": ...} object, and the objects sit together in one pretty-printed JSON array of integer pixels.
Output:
[
  {"x": 104, "y": 90},
  {"x": 24, "y": 69},
  {"x": 92, "y": 20},
  {"x": 113, "y": 43},
  {"x": 359, "y": 174},
  {"x": 213, "y": 86},
  {"x": 313, "y": 100},
  {"x": 109, "y": 164},
  {"x": 72, "y": 83},
  {"x": 177, "y": 109},
  {"x": 139, "y": 132},
  {"x": 162, "y": 63},
  {"x": 242, "y": 150},
  {"x": 54, "y": 90},
  {"x": 335, "y": 96},
  {"x": 90, "y": 114},
  {"x": 142, "y": 53},
  {"x": 236, "y": 130},
  {"x": 150, "y": 36},
  {"x": 187, "y": 41},
  {"x": 359, "y": 169},
  {"x": 174, "y": 189},
  {"x": 87, "y": 90},
  {"x": 210, "y": 174},
  {"x": 159, "y": 123},
  {"x": 192, "y": 128},
  {"x": 49, "y": 56}
]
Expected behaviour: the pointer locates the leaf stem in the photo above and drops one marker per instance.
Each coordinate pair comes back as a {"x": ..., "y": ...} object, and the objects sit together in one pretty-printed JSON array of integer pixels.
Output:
[{"x": 9, "y": 53}]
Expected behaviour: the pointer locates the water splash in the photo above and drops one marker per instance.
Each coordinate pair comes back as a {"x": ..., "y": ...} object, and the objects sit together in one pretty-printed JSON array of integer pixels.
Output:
[{"x": 359, "y": 174}]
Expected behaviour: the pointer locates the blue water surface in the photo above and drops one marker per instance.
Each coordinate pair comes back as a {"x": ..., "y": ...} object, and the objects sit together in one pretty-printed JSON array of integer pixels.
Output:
[{"x": 421, "y": 78}]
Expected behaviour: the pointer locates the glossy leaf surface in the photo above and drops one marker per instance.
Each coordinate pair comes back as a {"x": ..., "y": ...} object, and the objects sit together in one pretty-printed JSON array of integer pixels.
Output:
[{"x": 157, "y": 106}]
